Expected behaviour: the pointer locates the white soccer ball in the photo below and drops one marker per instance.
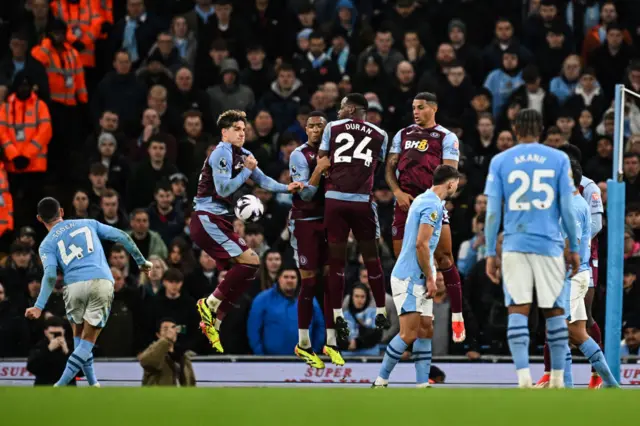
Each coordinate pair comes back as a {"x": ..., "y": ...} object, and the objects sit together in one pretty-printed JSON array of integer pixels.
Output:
[{"x": 249, "y": 208}]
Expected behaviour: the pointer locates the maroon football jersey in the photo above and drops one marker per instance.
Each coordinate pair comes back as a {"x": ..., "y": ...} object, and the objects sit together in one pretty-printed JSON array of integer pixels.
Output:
[
  {"x": 421, "y": 152},
  {"x": 355, "y": 147},
  {"x": 301, "y": 209},
  {"x": 221, "y": 161}
]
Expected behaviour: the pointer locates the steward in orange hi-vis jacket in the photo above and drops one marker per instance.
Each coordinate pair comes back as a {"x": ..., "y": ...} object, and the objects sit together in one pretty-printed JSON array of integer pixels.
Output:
[
  {"x": 25, "y": 129},
  {"x": 63, "y": 66},
  {"x": 6, "y": 203},
  {"x": 84, "y": 24}
]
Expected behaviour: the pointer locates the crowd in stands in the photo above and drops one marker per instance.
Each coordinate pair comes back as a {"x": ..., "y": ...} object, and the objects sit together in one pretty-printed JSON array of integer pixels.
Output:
[{"x": 111, "y": 106}]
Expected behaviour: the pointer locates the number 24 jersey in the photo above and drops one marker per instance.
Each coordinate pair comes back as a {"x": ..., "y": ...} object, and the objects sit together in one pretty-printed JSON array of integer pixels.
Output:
[{"x": 355, "y": 147}]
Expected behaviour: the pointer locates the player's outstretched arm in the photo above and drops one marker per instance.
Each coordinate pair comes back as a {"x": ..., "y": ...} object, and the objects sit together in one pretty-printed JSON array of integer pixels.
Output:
[
  {"x": 48, "y": 283},
  {"x": 265, "y": 182},
  {"x": 221, "y": 162},
  {"x": 50, "y": 263},
  {"x": 113, "y": 234},
  {"x": 424, "y": 256},
  {"x": 299, "y": 171}
]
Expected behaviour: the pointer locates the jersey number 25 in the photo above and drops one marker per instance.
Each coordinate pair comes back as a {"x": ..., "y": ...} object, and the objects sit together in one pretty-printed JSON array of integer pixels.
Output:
[
  {"x": 537, "y": 186},
  {"x": 75, "y": 252},
  {"x": 358, "y": 153}
]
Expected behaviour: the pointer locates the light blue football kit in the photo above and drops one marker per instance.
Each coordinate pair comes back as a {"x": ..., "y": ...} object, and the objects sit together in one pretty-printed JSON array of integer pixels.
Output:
[
  {"x": 536, "y": 184},
  {"x": 74, "y": 247},
  {"x": 408, "y": 285},
  {"x": 576, "y": 289}
]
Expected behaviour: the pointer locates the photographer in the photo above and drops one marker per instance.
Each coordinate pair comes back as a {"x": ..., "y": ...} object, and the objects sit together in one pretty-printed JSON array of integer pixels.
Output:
[
  {"x": 49, "y": 357},
  {"x": 164, "y": 362}
]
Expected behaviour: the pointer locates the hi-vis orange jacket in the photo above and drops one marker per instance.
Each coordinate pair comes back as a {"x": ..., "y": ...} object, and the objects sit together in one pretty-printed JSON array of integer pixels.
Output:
[
  {"x": 6, "y": 203},
  {"x": 65, "y": 72},
  {"x": 106, "y": 10},
  {"x": 84, "y": 22},
  {"x": 25, "y": 130}
]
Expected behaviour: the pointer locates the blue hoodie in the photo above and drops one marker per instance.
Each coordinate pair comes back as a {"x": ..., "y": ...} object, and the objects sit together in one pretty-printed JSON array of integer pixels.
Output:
[
  {"x": 272, "y": 326},
  {"x": 501, "y": 85}
]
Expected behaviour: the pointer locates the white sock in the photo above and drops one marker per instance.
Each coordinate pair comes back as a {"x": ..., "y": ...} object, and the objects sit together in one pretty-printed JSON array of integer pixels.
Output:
[
  {"x": 457, "y": 317},
  {"x": 217, "y": 324},
  {"x": 213, "y": 303},
  {"x": 556, "y": 379},
  {"x": 382, "y": 311},
  {"x": 381, "y": 381},
  {"x": 524, "y": 378},
  {"x": 303, "y": 339},
  {"x": 331, "y": 337},
  {"x": 337, "y": 313}
]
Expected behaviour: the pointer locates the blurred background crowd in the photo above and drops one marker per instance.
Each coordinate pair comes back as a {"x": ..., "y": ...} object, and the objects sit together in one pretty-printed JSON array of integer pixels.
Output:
[{"x": 111, "y": 105}]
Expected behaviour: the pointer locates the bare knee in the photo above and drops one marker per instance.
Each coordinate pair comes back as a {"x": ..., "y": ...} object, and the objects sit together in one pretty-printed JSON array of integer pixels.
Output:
[
  {"x": 577, "y": 333},
  {"x": 305, "y": 274},
  {"x": 519, "y": 309},
  {"x": 553, "y": 312},
  {"x": 248, "y": 257},
  {"x": 409, "y": 336},
  {"x": 426, "y": 328},
  {"x": 90, "y": 333}
]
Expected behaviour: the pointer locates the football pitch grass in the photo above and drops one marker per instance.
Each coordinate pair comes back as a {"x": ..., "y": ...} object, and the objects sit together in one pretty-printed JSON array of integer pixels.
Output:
[{"x": 317, "y": 406}]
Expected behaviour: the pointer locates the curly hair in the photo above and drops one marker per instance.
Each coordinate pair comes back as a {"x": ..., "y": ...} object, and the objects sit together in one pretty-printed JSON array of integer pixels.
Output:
[{"x": 227, "y": 118}]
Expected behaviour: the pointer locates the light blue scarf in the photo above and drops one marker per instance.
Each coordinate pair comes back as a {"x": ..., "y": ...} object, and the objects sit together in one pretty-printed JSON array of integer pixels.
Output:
[
  {"x": 130, "y": 44},
  {"x": 343, "y": 58}
]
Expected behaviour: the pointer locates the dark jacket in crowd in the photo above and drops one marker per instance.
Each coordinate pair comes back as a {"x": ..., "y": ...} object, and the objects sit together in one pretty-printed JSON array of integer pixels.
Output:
[
  {"x": 312, "y": 76},
  {"x": 143, "y": 183},
  {"x": 199, "y": 284},
  {"x": 48, "y": 366},
  {"x": 33, "y": 69},
  {"x": 146, "y": 32},
  {"x": 123, "y": 94},
  {"x": 123, "y": 336},
  {"x": 550, "y": 105},
  {"x": 610, "y": 68},
  {"x": 14, "y": 332},
  {"x": 492, "y": 55},
  {"x": 119, "y": 171},
  {"x": 259, "y": 80},
  {"x": 283, "y": 106},
  {"x": 168, "y": 226},
  {"x": 193, "y": 152},
  {"x": 182, "y": 312},
  {"x": 194, "y": 99}
]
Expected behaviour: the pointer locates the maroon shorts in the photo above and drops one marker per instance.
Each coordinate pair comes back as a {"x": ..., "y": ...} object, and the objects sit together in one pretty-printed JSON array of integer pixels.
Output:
[
  {"x": 341, "y": 216},
  {"x": 309, "y": 243},
  {"x": 214, "y": 234},
  {"x": 399, "y": 220}
]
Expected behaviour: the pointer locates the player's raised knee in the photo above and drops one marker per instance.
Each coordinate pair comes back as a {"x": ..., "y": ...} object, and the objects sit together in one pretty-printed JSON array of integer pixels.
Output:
[
  {"x": 304, "y": 273},
  {"x": 248, "y": 257}
]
